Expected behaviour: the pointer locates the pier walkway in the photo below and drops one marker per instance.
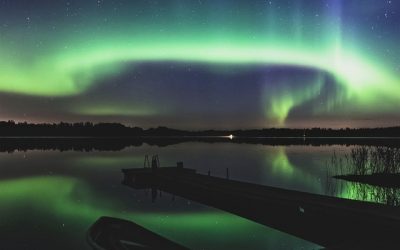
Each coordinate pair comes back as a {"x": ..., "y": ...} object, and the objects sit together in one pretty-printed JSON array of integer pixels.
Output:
[{"x": 331, "y": 222}]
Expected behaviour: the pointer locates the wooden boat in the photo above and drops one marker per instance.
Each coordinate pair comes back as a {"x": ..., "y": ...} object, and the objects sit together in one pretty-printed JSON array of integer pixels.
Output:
[{"x": 109, "y": 233}]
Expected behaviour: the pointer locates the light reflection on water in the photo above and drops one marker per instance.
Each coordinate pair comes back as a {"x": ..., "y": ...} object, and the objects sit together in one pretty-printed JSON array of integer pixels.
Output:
[{"x": 52, "y": 197}]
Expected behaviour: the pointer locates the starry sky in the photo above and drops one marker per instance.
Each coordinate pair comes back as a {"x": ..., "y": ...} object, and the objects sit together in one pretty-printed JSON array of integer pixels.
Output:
[{"x": 200, "y": 64}]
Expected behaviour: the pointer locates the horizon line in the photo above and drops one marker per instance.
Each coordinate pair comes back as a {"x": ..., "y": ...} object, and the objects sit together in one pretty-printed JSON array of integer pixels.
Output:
[{"x": 196, "y": 130}]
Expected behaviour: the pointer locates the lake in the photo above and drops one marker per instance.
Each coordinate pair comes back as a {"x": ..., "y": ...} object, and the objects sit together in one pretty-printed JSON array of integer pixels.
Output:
[{"x": 50, "y": 197}]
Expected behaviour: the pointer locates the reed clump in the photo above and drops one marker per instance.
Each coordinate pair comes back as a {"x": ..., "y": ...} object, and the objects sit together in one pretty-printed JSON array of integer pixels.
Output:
[{"x": 368, "y": 160}]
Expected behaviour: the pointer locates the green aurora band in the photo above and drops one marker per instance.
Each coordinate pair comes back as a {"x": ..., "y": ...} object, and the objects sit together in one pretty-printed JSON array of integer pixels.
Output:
[{"x": 72, "y": 64}]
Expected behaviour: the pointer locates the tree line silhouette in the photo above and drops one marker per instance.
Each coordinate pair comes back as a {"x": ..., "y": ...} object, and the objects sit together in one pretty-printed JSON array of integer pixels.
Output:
[{"x": 89, "y": 129}]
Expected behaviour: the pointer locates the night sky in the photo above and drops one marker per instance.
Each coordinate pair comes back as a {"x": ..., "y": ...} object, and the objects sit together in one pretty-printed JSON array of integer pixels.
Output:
[{"x": 202, "y": 63}]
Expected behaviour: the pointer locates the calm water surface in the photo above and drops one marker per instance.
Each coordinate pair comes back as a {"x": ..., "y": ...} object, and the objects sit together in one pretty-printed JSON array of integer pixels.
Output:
[{"x": 50, "y": 198}]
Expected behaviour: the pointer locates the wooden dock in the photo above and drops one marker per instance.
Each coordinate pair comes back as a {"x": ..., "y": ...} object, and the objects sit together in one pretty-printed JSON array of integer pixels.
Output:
[{"x": 327, "y": 221}]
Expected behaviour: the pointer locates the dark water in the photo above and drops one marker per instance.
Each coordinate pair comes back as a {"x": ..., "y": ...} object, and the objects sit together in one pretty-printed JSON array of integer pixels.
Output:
[{"x": 50, "y": 198}]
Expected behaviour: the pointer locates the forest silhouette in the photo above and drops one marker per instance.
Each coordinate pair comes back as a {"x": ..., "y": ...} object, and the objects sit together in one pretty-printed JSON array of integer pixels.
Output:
[
  {"x": 89, "y": 129},
  {"x": 114, "y": 136}
]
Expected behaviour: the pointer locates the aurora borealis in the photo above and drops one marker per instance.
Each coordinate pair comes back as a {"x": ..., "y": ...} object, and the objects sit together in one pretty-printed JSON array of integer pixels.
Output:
[{"x": 201, "y": 64}]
